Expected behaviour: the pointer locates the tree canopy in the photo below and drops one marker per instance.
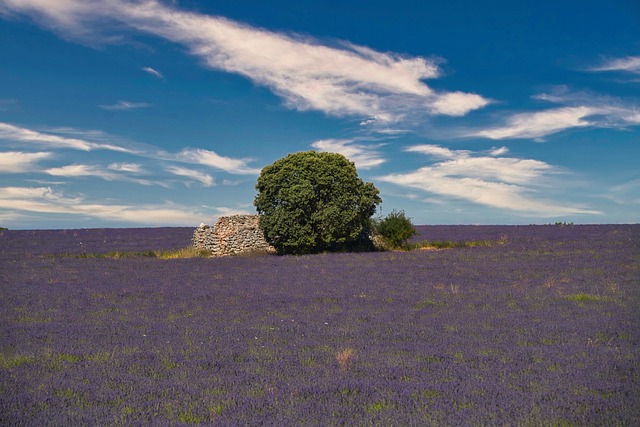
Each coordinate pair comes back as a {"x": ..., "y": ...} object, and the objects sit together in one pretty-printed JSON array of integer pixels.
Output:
[
  {"x": 396, "y": 228},
  {"x": 313, "y": 201}
]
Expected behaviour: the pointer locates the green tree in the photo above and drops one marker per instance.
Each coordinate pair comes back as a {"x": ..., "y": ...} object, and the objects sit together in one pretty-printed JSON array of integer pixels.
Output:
[
  {"x": 310, "y": 202},
  {"x": 396, "y": 228}
]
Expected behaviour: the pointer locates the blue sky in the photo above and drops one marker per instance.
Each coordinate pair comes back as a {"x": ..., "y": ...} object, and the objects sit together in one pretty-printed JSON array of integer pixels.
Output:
[{"x": 122, "y": 113}]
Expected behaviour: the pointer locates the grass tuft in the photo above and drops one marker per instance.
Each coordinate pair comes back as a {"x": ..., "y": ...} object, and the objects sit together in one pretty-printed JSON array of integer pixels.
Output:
[
  {"x": 182, "y": 253},
  {"x": 449, "y": 244},
  {"x": 428, "y": 302},
  {"x": 344, "y": 357},
  {"x": 584, "y": 297},
  {"x": 7, "y": 362},
  {"x": 188, "y": 252}
]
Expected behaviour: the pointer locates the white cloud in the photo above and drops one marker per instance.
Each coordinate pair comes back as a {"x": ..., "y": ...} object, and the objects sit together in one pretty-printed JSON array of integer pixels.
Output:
[
  {"x": 205, "y": 179},
  {"x": 153, "y": 72},
  {"x": 340, "y": 80},
  {"x": 45, "y": 200},
  {"x": 11, "y": 132},
  {"x": 498, "y": 151},
  {"x": 503, "y": 169},
  {"x": 503, "y": 183},
  {"x": 125, "y": 105},
  {"x": 458, "y": 103},
  {"x": 212, "y": 159},
  {"x": 95, "y": 140},
  {"x": 631, "y": 117},
  {"x": 386, "y": 130},
  {"x": 578, "y": 110},
  {"x": 464, "y": 163},
  {"x": 441, "y": 152},
  {"x": 97, "y": 171},
  {"x": 629, "y": 64},
  {"x": 126, "y": 167},
  {"x": 540, "y": 124},
  {"x": 437, "y": 151},
  {"x": 364, "y": 156},
  {"x": 18, "y": 162},
  {"x": 80, "y": 170},
  {"x": 35, "y": 199}
]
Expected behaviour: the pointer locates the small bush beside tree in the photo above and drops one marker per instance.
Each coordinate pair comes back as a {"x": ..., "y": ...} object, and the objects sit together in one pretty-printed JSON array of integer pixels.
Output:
[
  {"x": 311, "y": 202},
  {"x": 395, "y": 229}
]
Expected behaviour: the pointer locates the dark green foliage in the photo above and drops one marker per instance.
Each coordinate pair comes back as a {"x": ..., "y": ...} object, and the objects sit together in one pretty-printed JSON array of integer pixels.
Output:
[
  {"x": 311, "y": 202},
  {"x": 396, "y": 228}
]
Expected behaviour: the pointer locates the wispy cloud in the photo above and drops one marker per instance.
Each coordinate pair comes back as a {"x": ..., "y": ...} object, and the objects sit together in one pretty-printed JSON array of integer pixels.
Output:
[
  {"x": 577, "y": 110},
  {"x": 153, "y": 72},
  {"x": 7, "y": 104},
  {"x": 630, "y": 64},
  {"x": 438, "y": 151},
  {"x": 80, "y": 170},
  {"x": 97, "y": 171},
  {"x": 498, "y": 182},
  {"x": 364, "y": 156},
  {"x": 45, "y": 200},
  {"x": 125, "y": 105},
  {"x": 204, "y": 178},
  {"x": 627, "y": 193},
  {"x": 212, "y": 159},
  {"x": 18, "y": 162},
  {"x": 539, "y": 124},
  {"x": 341, "y": 79},
  {"x": 127, "y": 167},
  {"x": 11, "y": 132},
  {"x": 95, "y": 140}
]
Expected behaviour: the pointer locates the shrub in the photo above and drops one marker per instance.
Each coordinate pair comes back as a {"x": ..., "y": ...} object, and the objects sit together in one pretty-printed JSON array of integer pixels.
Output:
[
  {"x": 312, "y": 202},
  {"x": 395, "y": 229}
]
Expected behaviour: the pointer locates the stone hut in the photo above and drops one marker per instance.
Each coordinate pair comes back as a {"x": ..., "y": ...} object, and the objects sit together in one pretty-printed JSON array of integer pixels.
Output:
[{"x": 232, "y": 235}]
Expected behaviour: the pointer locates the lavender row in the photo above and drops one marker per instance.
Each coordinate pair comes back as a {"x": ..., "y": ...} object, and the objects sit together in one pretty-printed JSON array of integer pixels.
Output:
[
  {"x": 528, "y": 233},
  {"x": 541, "y": 329},
  {"x": 92, "y": 240}
]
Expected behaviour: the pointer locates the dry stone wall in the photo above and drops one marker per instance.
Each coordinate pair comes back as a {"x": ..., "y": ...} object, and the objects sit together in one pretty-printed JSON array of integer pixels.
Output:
[{"x": 232, "y": 235}]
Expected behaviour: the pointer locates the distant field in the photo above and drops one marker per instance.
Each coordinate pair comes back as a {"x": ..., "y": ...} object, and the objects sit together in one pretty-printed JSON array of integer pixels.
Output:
[{"x": 540, "y": 326}]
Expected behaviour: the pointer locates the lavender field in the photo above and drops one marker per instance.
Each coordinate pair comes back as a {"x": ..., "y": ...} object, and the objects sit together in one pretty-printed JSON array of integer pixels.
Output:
[{"x": 538, "y": 326}]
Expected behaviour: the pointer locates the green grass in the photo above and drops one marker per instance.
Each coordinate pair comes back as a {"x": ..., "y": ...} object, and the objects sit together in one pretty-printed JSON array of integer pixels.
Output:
[
  {"x": 449, "y": 244},
  {"x": 7, "y": 362},
  {"x": 584, "y": 298},
  {"x": 428, "y": 394},
  {"x": 428, "y": 302},
  {"x": 193, "y": 252},
  {"x": 381, "y": 405},
  {"x": 188, "y": 252}
]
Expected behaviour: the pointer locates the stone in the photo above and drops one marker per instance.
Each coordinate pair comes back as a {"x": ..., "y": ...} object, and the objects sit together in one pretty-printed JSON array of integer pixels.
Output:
[{"x": 232, "y": 235}]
